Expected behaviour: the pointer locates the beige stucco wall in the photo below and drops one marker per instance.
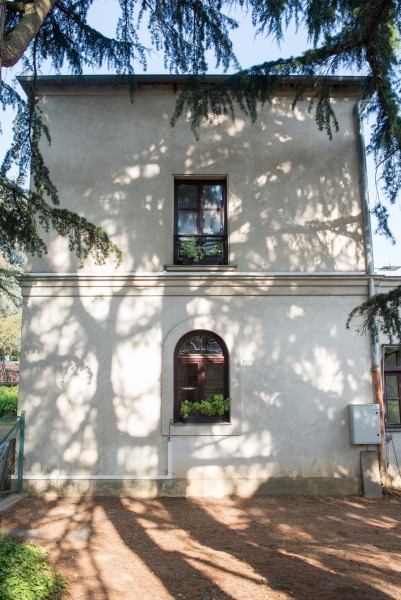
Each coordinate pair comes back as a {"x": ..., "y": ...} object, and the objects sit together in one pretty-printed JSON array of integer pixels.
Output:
[
  {"x": 98, "y": 344},
  {"x": 293, "y": 196},
  {"x": 97, "y": 381}
]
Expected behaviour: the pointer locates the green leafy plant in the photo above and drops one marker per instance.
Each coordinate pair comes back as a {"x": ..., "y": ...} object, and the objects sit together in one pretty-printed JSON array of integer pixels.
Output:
[
  {"x": 215, "y": 250},
  {"x": 191, "y": 248},
  {"x": 210, "y": 406},
  {"x": 8, "y": 400},
  {"x": 25, "y": 573}
]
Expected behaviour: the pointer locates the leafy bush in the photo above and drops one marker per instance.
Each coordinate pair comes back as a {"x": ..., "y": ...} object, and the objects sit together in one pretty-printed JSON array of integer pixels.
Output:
[
  {"x": 192, "y": 248},
  {"x": 25, "y": 574},
  {"x": 213, "y": 405},
  {"x": 8, "y": 400}
]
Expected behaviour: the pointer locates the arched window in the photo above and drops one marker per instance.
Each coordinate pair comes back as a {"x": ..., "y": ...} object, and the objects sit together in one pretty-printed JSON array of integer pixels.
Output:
[{"x": 200, "y": 369}]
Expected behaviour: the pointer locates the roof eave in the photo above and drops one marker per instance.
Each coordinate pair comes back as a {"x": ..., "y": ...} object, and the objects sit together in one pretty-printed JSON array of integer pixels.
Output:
[{"x": 53, "y": 82}]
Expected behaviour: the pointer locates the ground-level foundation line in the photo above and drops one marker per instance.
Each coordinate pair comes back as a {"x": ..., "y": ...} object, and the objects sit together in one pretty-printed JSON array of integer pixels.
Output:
[{"x": 94, "y": 477}]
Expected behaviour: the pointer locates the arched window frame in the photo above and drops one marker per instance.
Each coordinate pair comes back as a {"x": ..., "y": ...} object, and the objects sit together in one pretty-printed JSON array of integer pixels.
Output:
[
  {"x": 201, "y": 360},
  {"x": 224, "y": 329}
]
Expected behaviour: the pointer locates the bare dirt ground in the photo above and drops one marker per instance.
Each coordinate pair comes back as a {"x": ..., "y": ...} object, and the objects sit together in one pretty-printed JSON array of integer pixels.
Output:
[{"x": 231, "y": 549}]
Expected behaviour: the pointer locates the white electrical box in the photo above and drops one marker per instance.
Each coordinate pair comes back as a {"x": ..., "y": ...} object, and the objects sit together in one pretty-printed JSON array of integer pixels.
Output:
[{"x": 364, "y": 423}]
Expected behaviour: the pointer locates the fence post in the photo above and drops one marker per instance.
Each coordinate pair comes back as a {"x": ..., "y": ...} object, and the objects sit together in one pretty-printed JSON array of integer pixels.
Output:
[{"x": 21, "y": 451}]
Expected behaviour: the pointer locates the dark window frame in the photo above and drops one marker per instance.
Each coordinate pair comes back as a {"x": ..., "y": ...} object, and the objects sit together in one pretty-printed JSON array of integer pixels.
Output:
[
  {"x": 201, "y": 360},
  {"x": 393, "y": 370},
  {"x": 202, "y": 239}
]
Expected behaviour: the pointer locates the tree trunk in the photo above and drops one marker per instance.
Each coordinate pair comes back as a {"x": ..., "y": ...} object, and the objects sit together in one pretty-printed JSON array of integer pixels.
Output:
[
  {"x": 2, "y": 22},
  {"x": 15, "y": 42}
]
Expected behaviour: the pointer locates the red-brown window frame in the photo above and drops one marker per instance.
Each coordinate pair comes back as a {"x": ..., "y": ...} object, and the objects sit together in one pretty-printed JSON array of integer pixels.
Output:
[
  {"x": 392, "y": 370},
  {"x": 200, "y": 360},
  {"x": 220, "y": 238}
]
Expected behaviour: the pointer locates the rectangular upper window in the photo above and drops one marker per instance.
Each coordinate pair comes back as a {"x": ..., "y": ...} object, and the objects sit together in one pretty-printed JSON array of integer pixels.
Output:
[{"x": 200, "y": 232}]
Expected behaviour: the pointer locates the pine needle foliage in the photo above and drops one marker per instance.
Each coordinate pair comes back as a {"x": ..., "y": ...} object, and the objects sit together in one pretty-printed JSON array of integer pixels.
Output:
[
  {"x": 357, "y": 36},
  {"x": 184, "y": 31},
  {"x": 380, "y": 313}
]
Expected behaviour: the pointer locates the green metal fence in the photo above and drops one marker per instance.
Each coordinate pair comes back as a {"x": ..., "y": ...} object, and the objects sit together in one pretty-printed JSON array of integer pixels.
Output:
[{"x": 11, "y": 453}]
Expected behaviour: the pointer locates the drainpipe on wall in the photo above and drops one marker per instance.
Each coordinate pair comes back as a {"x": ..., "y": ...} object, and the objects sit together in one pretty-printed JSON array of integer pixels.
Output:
[{"x": 375, "y": 346}]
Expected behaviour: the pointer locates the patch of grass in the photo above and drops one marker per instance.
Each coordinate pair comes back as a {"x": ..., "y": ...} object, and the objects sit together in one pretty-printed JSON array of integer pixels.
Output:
[
  {"x": 25, "y": 573},
  {"x": 8, "y": 400}
]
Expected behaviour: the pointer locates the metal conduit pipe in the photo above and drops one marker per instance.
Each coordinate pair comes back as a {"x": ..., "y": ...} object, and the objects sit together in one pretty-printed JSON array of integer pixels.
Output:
[{"x": 370, "y": 270}]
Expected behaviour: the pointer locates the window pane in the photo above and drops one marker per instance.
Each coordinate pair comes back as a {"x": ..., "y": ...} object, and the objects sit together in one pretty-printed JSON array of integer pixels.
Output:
[
  {"x": 191, "y": 395},
  {"x": 392, "y": 387},
  {"x": 212, "y": 196},
  {"x": 393, "y": 412},
  {"x": 191, "y": 346},
  {"x": 212, "y": 223},
  {"x": 210, "y": 346},
  {"x": 188, "y": 375},
  {"x": 214, "y": 379},
  {"x": 187, "y": 196},
  {"x": 187, "y": 222},
  {"x": 390, "y": 357}
]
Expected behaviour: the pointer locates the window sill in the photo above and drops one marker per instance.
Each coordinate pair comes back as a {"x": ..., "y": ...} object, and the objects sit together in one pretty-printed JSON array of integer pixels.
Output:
[
  {"x": 211, "y": 268},
  {"x": 190, "y": 429}
]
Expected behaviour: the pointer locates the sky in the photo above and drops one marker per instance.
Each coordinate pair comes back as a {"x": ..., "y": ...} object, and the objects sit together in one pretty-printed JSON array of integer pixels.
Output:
[{"x": 249, "y": 51}]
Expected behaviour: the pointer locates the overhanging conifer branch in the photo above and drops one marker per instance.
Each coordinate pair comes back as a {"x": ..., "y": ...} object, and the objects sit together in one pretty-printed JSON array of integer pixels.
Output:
[
  {"x": 382, "y": 311},
  {"x": 25, "y": 214},
  {"x": 362, "y": 34}
]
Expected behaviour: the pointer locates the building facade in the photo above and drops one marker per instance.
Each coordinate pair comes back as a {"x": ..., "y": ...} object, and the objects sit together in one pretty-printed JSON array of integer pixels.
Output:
[{"x": 243, "y": 253}]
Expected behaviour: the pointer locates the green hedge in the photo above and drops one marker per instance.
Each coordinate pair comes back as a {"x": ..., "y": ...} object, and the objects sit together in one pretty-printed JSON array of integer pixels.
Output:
[
  {"x": 8, "y": 400},
  {"x": 25, "y": 573}
]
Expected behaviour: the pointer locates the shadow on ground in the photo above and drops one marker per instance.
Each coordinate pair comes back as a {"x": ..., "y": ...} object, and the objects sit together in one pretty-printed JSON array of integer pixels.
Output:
[{"x": 276, "y": 548}]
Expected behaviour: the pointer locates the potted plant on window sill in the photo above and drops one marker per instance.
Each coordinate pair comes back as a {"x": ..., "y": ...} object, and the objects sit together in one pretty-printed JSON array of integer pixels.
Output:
[
  {"x": 213, "y": 409},
  {"x": 192, "y": 251}
]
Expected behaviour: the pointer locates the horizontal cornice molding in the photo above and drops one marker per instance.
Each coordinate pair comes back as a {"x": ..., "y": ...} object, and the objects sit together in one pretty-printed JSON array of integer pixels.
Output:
[
  {"x": 193, "y": 283},
  {"x": 386, "y": 284}
]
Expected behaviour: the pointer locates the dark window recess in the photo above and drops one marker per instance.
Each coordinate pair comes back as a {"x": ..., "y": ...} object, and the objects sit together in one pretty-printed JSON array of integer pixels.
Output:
[
  {"x": 200, "y": 231},
  {"x": 200, "y": 370},
  {"x": 392, "y": 387}
]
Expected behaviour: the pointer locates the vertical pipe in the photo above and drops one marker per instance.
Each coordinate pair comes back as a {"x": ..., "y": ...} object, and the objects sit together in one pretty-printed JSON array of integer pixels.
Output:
[
  {"x": 375, "y": 346},
  {"x": 169, "y": 458},
  {"x": 21, "y": 451}
]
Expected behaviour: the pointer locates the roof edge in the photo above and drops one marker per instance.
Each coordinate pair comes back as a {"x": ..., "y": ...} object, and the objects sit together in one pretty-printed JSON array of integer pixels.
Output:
[{"x": 49, "y": 82}]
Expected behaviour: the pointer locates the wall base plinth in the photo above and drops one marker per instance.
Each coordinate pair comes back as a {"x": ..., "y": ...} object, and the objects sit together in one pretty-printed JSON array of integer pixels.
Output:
[{"x": 181, "y": 488}]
